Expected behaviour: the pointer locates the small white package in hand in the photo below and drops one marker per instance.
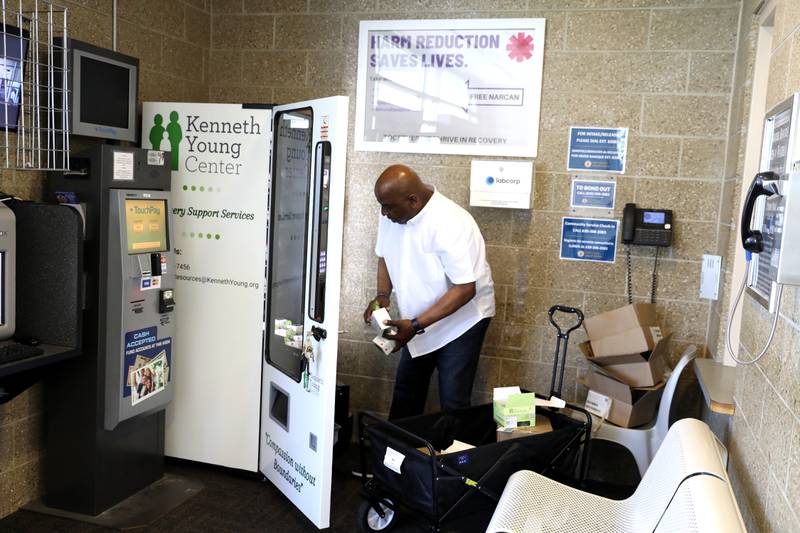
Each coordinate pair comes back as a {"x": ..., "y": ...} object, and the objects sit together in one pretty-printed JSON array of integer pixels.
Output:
[
  {"x": 386, "y": 345},
  {"x": 378, "y": 318}
]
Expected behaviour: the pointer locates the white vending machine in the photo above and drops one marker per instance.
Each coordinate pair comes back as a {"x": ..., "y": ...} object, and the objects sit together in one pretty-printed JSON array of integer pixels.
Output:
[{"x": 258, "y": 206}]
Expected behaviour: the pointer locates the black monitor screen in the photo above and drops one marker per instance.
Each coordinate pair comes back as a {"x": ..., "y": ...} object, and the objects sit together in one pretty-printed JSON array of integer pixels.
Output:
[
  {"x": 104, "y": 93},
  {"x": 13, "y": 47}
]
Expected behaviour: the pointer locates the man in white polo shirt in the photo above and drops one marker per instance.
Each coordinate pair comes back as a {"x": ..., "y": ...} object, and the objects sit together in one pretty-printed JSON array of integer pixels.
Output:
[{"x": 432, "y": 254}]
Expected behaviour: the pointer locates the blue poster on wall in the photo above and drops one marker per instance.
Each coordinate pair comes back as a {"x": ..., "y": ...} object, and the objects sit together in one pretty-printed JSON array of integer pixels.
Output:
[
  {"x": 589, "y": 239},
  {"x": 597, "y": 149},
  {"x": 593, "y": 194}
]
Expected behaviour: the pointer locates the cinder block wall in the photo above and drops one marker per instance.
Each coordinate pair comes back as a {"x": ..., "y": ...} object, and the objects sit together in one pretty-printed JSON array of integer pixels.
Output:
[
  {"x": 765, "y": 436},
  {"x": 662, "y": 69},
  {"x": 172, "y": 40}
]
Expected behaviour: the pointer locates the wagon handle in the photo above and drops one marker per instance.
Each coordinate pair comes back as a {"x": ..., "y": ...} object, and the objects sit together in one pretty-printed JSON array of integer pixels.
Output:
[
  {"x": 568, "y": 310},
  {"x": 561, "y": 345}
]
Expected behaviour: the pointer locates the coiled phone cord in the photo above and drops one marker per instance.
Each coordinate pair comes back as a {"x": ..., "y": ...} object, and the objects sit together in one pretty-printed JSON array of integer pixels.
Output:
[
  {"x": 629, "y": 274},
  {"x": 654, "y": 283},
  {"x": 748, "y": 258}
]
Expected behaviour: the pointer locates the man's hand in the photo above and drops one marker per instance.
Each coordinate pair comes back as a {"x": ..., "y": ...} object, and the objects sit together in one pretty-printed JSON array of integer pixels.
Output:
[
  {"x": 383, "y": 301},
  {"x": 405, "y": 332}
]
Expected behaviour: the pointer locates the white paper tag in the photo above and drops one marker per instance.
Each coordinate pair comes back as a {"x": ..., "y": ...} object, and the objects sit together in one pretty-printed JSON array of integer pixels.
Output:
[
  {"x": 393, "y": 460},
  {"x": 123, "y": 166},
  {"x": 598, "y": 404},
  {"x": 655, "y": 331},
  {"x": 155, "y": 157}
]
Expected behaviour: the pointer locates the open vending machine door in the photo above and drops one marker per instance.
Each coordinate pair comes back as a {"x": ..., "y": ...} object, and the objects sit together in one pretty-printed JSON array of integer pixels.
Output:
[{"x": 304, "y": 256}]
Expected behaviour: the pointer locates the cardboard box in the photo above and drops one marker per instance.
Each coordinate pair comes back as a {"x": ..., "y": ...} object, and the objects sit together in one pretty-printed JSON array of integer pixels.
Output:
[
  {"x": 630, "y": 407},
  {"x": 629, "y": 341},
  {"x": 542, "y": 426},
  {"x": 619, "y": 320},
  {"x": 643, "y": 369}
]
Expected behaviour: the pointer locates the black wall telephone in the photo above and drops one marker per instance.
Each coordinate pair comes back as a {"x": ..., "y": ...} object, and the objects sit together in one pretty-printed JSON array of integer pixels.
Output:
[{"x": 646, "y": 227}]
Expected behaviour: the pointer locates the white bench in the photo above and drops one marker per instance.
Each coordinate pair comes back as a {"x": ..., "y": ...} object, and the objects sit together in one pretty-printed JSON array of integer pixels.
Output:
[{"x": 685, "y": 489}]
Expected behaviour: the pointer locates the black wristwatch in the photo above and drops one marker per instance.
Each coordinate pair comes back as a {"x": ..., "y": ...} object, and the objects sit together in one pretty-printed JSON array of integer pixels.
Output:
[{"x": 419, "y": 330}]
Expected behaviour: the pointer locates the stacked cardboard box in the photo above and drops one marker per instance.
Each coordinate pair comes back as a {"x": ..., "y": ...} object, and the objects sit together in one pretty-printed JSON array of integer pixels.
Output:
[{"x": 626, "y": 352}]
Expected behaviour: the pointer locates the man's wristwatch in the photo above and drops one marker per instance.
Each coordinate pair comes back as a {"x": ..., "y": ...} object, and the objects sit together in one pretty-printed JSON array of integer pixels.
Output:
[{"x": 419, "y": 330}]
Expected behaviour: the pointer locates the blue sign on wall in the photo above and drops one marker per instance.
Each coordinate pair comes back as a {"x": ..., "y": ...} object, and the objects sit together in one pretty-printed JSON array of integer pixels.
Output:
[
  {"x": 593, "y": 194},
  {"x": 597, "y": 149},
  {"x": 589, "y": 239}
]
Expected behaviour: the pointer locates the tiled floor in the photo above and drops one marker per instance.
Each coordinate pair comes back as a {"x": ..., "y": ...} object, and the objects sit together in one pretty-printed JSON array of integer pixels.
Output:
[{"x": 236, "y": 502}]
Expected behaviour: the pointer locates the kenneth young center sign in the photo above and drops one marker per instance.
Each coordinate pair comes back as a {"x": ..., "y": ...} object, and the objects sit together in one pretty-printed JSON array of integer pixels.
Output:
[{"x": 468, "y": 87}]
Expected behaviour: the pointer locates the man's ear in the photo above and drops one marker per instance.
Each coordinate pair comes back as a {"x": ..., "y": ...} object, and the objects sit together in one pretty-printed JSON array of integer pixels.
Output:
[{"x": 413, "y": 199}]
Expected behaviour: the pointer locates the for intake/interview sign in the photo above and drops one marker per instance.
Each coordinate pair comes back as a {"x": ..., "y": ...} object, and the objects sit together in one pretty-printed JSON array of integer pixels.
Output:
[
  {"x": 597, "y": 149},
  {"x": 589, "y": 239}
]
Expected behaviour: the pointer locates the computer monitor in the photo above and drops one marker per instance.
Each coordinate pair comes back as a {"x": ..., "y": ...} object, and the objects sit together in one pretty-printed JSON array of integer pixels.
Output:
[
  {"x": 146, "y": 226},
  {"x": 103, "y": 90},
  {"x": 13, "y": 51},
  {"x": 8, "y": 261}
]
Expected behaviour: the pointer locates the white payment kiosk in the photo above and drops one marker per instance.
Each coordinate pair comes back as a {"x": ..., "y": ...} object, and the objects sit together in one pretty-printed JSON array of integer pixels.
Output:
[{"x": 258, "y": 219}]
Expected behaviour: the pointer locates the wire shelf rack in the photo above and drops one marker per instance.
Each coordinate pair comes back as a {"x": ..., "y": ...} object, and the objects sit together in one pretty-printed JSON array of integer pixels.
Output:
[{"x": 33, "y": 86}]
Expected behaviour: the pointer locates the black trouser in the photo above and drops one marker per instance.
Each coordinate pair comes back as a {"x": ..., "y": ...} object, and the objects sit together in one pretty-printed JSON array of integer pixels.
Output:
[{"x": 457, "y": 362}]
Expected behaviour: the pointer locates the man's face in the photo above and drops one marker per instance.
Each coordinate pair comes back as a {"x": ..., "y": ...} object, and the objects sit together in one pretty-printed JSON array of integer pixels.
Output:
[{"x": 396, "y": 207}]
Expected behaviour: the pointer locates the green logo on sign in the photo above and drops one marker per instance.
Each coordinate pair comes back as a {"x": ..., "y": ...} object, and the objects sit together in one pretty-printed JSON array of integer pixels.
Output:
[{"x": 174, "y": 135}]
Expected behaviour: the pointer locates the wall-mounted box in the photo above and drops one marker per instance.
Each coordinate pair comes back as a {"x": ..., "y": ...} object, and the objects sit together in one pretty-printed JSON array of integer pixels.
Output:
[{"x": 505, "y": 184}]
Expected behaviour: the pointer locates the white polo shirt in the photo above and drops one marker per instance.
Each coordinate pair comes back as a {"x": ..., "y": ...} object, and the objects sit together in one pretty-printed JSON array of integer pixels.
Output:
[{"x": 438, "y": 248}]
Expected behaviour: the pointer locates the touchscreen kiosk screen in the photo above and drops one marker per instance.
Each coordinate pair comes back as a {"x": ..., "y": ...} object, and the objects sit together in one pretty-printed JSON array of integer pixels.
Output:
[{"x": 146, "y": 225}]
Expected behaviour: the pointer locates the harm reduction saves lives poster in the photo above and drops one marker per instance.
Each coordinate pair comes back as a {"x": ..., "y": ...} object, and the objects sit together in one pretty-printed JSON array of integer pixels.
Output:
[
  {"x": 219, "y": 158},
  {"x": 450, "y": 86}
]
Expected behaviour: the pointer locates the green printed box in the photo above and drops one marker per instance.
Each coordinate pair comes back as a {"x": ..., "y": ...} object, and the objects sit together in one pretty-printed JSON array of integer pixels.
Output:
[{"x": 517, "y": 410}]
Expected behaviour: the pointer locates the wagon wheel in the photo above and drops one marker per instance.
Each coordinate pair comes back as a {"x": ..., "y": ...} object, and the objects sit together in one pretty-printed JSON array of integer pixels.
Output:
[{"x": 369, "y": 519}]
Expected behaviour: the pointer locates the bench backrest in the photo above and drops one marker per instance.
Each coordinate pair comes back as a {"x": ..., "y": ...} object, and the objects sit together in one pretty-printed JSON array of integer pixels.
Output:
[
  {"x": 703, "y": 504},
  {"x": 689, "y": 449}
]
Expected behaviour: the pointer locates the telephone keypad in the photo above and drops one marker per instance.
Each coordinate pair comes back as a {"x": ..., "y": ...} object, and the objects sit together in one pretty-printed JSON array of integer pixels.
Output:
[{"x": 652, "y": 237}]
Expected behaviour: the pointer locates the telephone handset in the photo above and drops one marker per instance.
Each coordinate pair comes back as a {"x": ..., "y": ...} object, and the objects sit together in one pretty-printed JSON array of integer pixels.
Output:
[
  {"x": 646, "y": 227},
  {"x": 753, "y": 240}
]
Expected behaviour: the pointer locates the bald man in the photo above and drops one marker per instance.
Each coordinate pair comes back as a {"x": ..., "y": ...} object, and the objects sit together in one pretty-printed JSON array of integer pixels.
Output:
[{"x": 432, "y": 254}]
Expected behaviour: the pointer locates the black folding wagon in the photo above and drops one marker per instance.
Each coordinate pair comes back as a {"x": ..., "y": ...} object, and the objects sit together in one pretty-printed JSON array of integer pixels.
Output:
[{"x": 439, "y": 489}]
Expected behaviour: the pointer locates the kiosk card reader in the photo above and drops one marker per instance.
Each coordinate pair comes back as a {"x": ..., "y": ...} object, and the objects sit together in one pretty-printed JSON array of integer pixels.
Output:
[{"x": 105, "y": 435}]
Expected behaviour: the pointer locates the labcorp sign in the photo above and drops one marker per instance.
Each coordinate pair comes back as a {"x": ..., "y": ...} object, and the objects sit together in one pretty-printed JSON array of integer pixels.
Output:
[{"x": 505, "y": 184}]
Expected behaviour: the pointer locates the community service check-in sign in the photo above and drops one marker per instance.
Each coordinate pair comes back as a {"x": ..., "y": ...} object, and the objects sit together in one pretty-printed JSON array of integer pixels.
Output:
[{"x": 450, "y": 86}]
